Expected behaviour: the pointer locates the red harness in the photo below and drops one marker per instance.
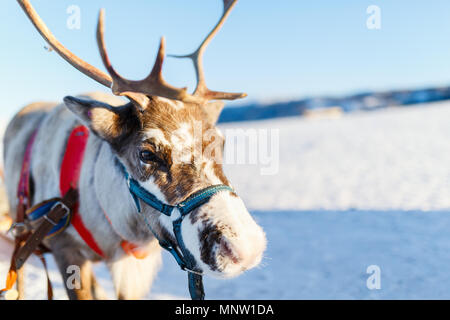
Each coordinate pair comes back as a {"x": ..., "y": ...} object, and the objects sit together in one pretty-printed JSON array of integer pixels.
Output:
[{"x": 69, "y": 177}]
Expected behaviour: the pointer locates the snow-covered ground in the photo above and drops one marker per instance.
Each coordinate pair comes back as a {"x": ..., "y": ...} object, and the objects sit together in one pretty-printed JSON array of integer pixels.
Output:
[{"x": 366, "y": 189}]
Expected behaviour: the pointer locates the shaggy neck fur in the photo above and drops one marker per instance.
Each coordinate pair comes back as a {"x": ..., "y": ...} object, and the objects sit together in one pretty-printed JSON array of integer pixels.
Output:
[{"x": 117, "y": 204}]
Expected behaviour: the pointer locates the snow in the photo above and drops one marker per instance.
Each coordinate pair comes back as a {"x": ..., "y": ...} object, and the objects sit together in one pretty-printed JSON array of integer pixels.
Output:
[
  {"x": 366, "y": 189},
  {"x": 390, "y": 159}
]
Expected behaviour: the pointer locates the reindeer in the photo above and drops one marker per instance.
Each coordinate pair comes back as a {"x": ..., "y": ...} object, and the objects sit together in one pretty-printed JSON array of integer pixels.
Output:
[{"x": 135, "y": 139}]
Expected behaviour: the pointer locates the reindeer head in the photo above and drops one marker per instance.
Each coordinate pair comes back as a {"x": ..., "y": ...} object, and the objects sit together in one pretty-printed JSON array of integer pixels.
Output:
[{"x": 168, "y": 141}]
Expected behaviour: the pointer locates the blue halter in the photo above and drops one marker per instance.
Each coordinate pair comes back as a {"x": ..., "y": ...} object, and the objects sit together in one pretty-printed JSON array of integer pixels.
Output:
[{"x": 181, "y": 254}]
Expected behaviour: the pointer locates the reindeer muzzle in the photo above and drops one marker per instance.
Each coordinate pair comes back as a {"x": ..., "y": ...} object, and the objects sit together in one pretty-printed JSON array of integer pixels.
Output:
[{"x": 182, "y": 255}]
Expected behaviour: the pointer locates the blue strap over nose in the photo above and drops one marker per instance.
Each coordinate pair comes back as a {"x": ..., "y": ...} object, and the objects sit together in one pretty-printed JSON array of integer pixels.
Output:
[
  {"x": 179, "y": 251},
  {"x": 185, "y": 207}
]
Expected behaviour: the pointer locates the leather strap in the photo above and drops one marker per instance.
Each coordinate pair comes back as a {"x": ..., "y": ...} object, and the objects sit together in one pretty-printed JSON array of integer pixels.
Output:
[
  {"x": 28, "y": 243},
  {"x": 23, "y": 202},
  {"x": 59, "y": 211}
]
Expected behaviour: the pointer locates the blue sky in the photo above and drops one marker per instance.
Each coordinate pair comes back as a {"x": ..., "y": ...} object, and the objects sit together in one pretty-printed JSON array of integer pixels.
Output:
[{"x": 271, "y": 50}]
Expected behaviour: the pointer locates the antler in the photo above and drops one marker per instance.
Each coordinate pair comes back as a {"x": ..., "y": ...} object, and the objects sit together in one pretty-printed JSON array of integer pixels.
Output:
[
  {"x": 153, "y": 84},
  {"x": 202, "y": 90},
  {"x": 76, "y": 62}
]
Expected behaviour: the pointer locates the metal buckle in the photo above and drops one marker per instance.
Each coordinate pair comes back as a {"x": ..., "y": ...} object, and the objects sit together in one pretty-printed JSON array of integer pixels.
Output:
[
  {"x": 17, "y": 229},
  {"x": 63, "y": 206}
]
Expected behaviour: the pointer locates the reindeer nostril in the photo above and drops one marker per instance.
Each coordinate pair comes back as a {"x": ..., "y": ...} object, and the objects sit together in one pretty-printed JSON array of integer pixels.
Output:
[{"x": 226, "y": 250}]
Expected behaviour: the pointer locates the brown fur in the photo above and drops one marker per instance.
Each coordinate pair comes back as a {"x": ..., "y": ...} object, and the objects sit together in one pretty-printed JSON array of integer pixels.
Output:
[{"x": 176, "y": 181}]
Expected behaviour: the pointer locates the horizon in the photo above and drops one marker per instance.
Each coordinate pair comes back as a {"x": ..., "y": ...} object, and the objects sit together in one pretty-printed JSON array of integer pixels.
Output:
[{"x": 282, "y": 62}]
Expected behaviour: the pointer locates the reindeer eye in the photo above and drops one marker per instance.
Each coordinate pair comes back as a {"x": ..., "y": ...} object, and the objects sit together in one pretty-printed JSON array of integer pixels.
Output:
[{"x": 148, "y": 156}]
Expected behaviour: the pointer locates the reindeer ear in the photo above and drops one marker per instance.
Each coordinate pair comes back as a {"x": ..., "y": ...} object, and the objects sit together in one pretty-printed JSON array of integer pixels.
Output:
[
  {"x": 212, "y": 110},
  {"x": 103, "y": 119}
]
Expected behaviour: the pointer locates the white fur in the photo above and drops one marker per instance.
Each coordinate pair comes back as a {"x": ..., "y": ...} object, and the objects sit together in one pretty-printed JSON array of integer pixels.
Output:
[
  {"x": 164, "y": 220},
  {"x": 182, "y": 142},
  {"x": 167, "y": 222},
  {"x": 248, "y": 244},
  {"x": 151, "y": 187},
  {"x": 132, "y": 277},
  {"x": 158, "y": 135},
  {"x": 209, "y": 173},
  {"x": 183, "y": 136},
  {"x": 119, "y": 209}
]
